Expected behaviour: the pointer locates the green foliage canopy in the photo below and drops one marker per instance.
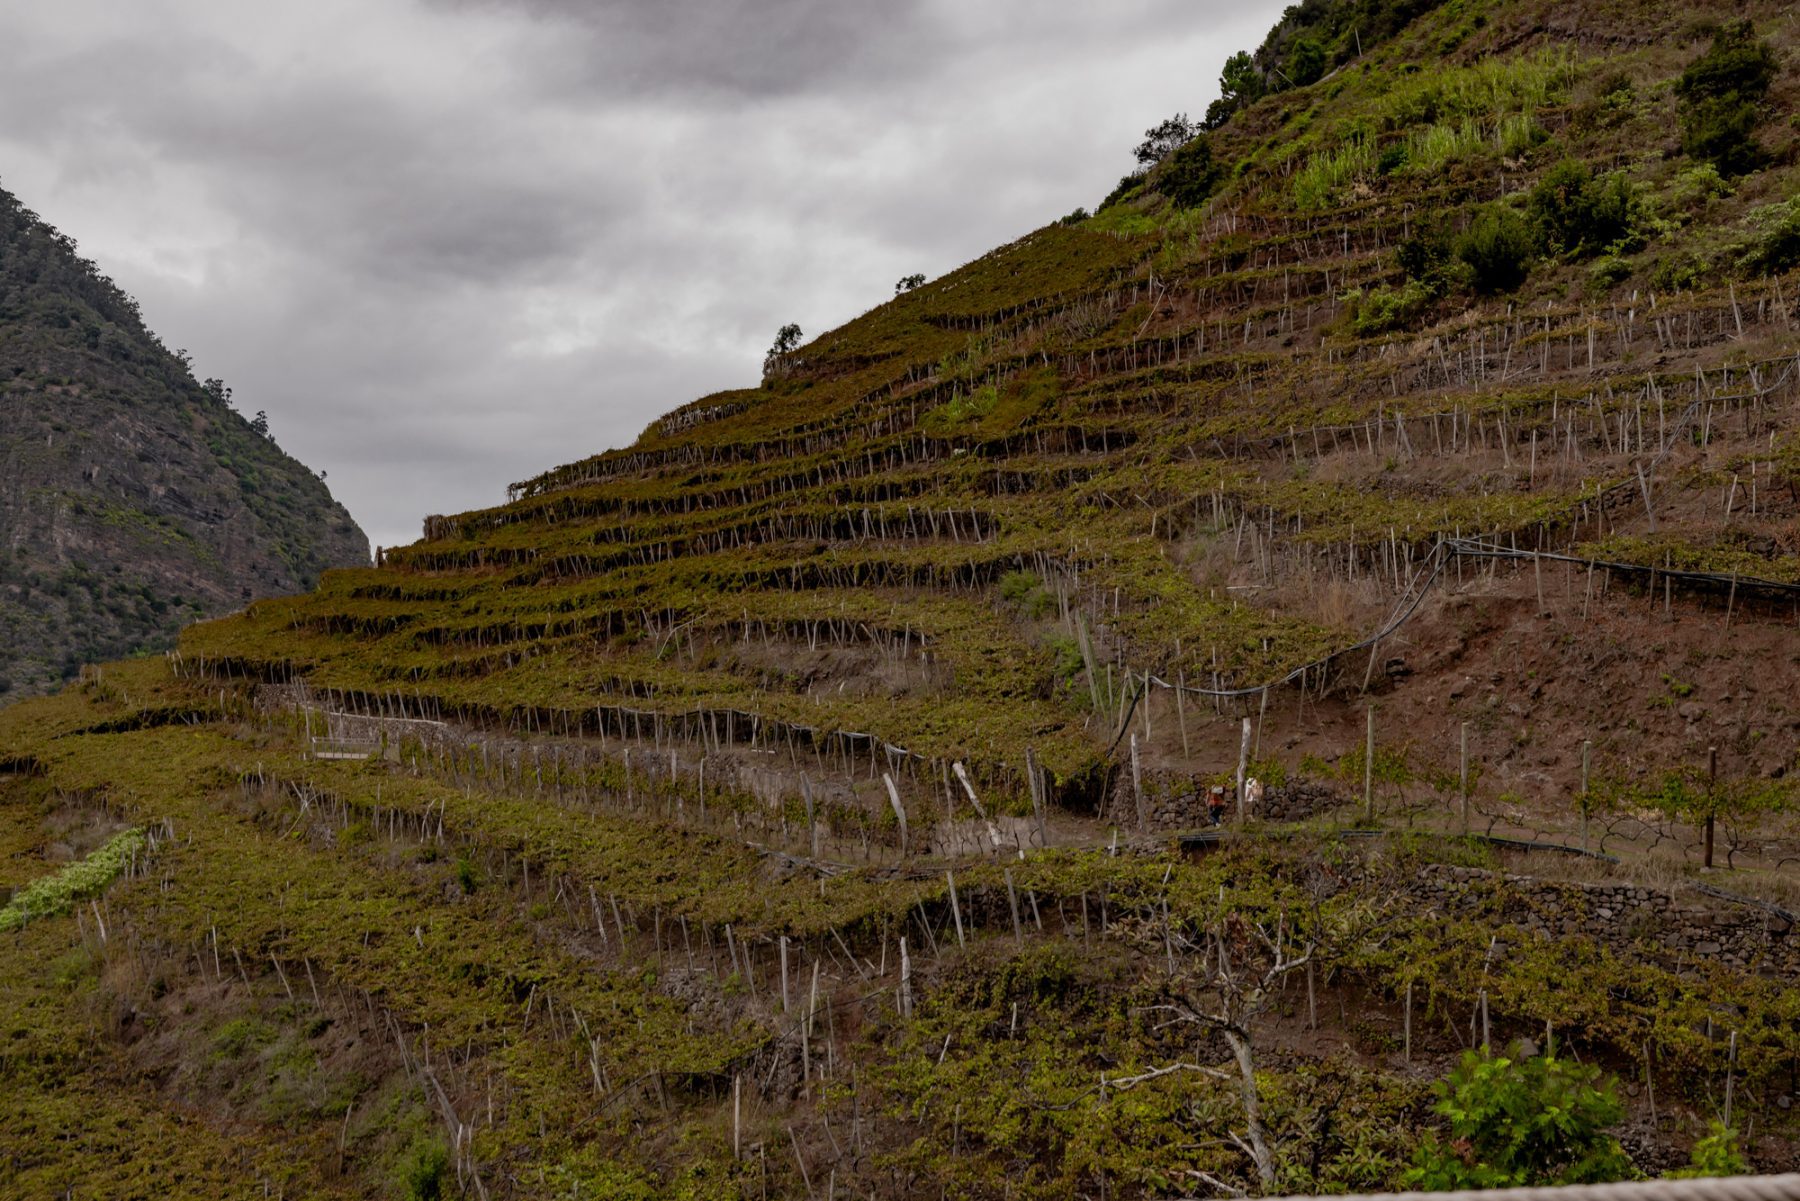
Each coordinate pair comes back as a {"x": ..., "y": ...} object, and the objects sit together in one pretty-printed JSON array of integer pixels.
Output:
[{"x": 1517, "y": 1120}]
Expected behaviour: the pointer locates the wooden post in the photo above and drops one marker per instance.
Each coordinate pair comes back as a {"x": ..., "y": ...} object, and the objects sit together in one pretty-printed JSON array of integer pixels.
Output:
[
  {"x": 1487, "y": 1047},
  {"x": 1465, "y": 777},
  {"x": 1181, "y": 711},
  {"x": 1712, "y": 777},
  {"x": 1243, "y": 767},
  {"x": 737, "y": 1116},
  {"x": 1039, "y": 802},
  {"x": 1587, "y": 748},
  {"x": 1369, "y": 767},
  {"x": 784, "y": 975},
  {"x": 955, "y": 907},
  {"x": 1137, "y": 784},
  {"x": 1012, "y": 897},
  {"x": 893, "y": 792},
  {"x": 905, "y": 980}
]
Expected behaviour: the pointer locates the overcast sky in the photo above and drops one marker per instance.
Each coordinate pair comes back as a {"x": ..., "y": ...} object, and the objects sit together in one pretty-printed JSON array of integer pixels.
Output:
[{"x": 447, "y": 244}]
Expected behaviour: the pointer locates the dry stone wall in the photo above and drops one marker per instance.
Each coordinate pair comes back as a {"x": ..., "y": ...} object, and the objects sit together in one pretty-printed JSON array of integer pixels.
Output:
[{"x": 1627, "y": 917}]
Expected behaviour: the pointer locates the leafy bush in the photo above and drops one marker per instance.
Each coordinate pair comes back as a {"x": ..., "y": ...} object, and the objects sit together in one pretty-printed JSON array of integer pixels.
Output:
[
  {"x": 1306, "y": 62},
  {"x": 424, "y": 1172},
  {"x": 1737, "y": 62},
  {"x": 1383, "y": 308},
  {"x": 1719, "y": 94},
  {"x": 1498, "y": 248},
  {"x": 968, "y": 406},
  {"x": 1718, "y": 1154},
  {"x": 1190, "y": 175},
  {"x": 1015, "y": 586},
  {"x": 1696, "y": 186},
  {"x": 1721, "y": 130},
  {"x": 1579, "y": 213},
  {"x": 1778, "y": 245},
  {"x": 1516, "y": 1121},
  {"x": 1610, "y": 271}
]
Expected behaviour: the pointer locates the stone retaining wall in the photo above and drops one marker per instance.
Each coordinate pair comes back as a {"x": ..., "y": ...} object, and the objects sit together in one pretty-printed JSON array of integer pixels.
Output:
[{"x": 1627, "y": 917}]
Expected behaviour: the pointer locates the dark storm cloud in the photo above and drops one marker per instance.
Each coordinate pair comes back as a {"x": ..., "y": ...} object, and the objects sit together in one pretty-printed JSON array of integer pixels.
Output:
[{"x": 448, "y": 244}]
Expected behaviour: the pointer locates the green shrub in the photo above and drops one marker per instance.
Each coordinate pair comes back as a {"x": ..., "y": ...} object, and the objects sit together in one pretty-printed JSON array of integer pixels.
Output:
[
  {"x": 1696, "y": 187},
  {"x": 1383, "y": 308},
  {"x": 1306, "y": 62},
  {"x": 424, "y": 1172},
  {"x": 1498, "y": 248},
  {"x": 968, "y": 406},
  {"x": 1190, "y": 175},
  {"x": 1721, "y": 130},
  {"x": 1517, "y": 1121},
  {"x": 1610, "y": 271},
  {"x": 1719, "y": 93},
  {"x": 1015, "y": 586},
  {"x": 1777, "y": 247},
  {"x": 1718, "y": 1154},
  {"x": 1579, "y": 213},
  {"x": 1736, "y": 62}
]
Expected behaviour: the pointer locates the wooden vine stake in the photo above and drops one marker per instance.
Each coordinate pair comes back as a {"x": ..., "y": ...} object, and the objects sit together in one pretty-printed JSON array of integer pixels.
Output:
[
  {"x": 1137, "y": 784},
  {"x": 905, "y": 980},
  {"x": 1039, "y": 802},
  {"x": 1243, "y": 766},
  {"x": 1465, "y": 777},
  {"x": 893, "y": 792},
  {"x": 1369, "y": 767},
  {"x": 955, "y": 907}
]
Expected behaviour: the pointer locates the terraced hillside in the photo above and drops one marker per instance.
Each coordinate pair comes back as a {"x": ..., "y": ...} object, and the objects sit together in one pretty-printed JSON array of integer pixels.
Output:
[{"x": 786, "y": 804}]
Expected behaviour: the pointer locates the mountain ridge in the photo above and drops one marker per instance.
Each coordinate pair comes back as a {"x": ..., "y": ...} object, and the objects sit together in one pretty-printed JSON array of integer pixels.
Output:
[{"x": 135, "y": 499}]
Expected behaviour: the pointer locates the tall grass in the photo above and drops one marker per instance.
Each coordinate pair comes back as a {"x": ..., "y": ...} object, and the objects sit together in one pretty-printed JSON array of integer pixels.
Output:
[
  {"x": 1317, "y": 183},
  {"x": 1517, "y": 133},
  {"x": 1483, "y": 91},
  {"x": 1448, "y": 116},
  {"x": 1432, "y": 147}
]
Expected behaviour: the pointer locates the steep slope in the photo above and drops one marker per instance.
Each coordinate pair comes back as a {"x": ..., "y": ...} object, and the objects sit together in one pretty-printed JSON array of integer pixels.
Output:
[
  {"x": 806, "y": 799},
  {"x": 132, "y": 499}
]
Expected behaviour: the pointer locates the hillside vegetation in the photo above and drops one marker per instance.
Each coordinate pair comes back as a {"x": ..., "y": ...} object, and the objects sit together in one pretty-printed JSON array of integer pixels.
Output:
[
  {"x": 133, "y": 499},
  {"x": 807, "y": 800}
]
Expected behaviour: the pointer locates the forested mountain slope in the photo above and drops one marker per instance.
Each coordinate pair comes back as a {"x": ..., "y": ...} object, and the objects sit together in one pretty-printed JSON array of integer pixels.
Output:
[
  {"x": 806, "y": 800},
  {"x": 133, "y": 500}
]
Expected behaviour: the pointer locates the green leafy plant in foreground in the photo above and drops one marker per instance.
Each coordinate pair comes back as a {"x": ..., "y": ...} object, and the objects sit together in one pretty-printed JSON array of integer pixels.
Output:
[
  {"x": 53, "y": 894},
  {"x": 1718, "y": 1154},
  {"x": 1522, "y": 1121}
]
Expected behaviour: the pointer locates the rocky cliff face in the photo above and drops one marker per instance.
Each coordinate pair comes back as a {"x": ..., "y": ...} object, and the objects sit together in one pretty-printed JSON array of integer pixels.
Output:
[{"x": 133, "y": 499}]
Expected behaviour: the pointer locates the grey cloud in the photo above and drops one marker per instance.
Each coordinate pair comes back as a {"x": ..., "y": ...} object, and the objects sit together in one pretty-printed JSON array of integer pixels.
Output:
[
  {"x": 770, "y": 48},
  {"x": 448, "y": 244}
]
